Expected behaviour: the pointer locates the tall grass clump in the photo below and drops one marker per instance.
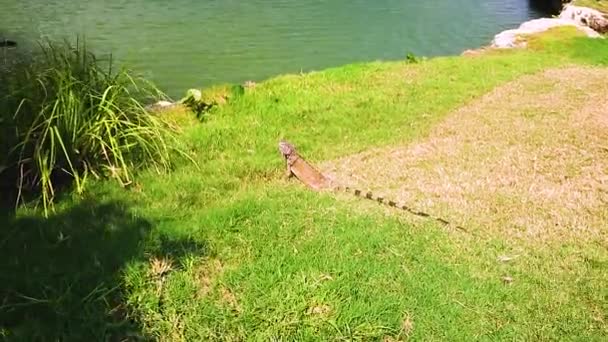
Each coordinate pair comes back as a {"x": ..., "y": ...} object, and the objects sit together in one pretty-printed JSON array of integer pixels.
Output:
[{"x": 66, "y": 116}]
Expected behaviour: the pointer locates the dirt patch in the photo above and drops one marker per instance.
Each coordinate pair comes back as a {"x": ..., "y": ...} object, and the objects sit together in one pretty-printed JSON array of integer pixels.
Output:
[{"x": 528, "y": 160}]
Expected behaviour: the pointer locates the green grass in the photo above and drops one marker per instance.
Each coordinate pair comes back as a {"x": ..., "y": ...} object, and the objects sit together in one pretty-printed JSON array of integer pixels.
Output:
[
  {"x": 370, "y": 273},
  {"x": 256, "y": 258},
  {"x": 67, "y": 116},
  {"x": 600, "y": 5}
]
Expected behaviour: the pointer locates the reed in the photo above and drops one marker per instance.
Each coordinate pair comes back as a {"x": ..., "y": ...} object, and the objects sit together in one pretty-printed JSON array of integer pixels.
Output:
[{"x": 67, "y": 115}]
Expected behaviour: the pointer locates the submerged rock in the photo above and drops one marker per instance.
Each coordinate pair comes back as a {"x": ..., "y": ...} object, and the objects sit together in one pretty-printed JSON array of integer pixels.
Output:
[
  {"x": 511, "y": 38},
  {"x": 592, "y": 18}
]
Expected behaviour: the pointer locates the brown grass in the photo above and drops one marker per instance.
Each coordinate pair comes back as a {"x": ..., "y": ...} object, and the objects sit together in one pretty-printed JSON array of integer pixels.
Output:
[
  {"x": 207, "y": 274},
  {"x": 227, "y": 298},
  {"x": 319, "y": 310},
  {"x": 159, "y": 270},
  {"x": 528, "y": 160},
  {"x": 159, "y": 267}
]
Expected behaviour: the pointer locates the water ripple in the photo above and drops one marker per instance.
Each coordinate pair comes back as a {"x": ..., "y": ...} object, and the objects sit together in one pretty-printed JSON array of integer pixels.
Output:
[{"x": 184, "y": 43}]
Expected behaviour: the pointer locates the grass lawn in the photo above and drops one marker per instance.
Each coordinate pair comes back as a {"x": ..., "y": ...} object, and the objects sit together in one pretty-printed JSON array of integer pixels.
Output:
[
  {"x": 601, "y": 5},
  {"x": 227, "y": 250}
]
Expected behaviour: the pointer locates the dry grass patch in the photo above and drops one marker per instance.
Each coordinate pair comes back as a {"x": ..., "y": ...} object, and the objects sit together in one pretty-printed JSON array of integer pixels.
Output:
[
  {"x": 160, "y": 268},
  {"x": 208, "y": 279},
  {"x": 528, "y": 160},
  {"x": 207, "y": 274},
  {"x": 319, "y": 309},
  {"x": 227, "y": 298}
]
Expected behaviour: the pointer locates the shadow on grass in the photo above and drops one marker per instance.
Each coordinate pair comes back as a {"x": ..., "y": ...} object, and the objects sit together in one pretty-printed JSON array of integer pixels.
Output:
[{"x": 60, "y": 278}]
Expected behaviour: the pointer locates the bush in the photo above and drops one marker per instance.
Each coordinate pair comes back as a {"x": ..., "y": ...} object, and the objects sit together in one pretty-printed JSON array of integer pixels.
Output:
[{"x": 65, "y": 115}]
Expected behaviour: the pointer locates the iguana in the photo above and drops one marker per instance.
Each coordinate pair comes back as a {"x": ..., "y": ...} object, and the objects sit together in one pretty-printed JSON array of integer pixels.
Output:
[{"x": 307, "y": 174}]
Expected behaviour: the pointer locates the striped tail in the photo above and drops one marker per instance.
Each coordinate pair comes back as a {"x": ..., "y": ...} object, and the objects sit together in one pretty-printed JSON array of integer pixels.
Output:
[{"x": 370, "y": 196}]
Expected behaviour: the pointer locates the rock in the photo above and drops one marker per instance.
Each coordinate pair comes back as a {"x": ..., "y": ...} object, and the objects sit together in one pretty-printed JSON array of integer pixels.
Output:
[
  {"x": 510, "y": 38},
  {"x": 592, "y": 18},
  {"x": 164, "y": 104},
  {"x": 160, "y": 105},
  {"x": 249, "y": 84},
  {"x": 474, "y": 52},
  {"x": 587, "y": 20}
]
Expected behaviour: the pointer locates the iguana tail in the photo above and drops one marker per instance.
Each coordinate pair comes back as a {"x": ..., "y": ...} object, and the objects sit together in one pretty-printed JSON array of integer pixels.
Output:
[{"x": 370, "y": 196}]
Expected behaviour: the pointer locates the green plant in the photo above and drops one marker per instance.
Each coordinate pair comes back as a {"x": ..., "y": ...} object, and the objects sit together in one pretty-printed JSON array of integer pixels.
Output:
[
  {"x": 67, "y": 115},
  {"x": 194, "y": 102},
  {"x": 201, "y": 103},
  {"x": 412, "y": 58}
]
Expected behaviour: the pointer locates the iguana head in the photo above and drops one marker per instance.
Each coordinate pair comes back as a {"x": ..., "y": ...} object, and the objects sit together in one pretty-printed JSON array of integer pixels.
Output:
[{"x": 286, "y": 148}]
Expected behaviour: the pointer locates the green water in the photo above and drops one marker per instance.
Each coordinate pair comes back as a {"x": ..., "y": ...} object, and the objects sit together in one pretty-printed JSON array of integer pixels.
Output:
[{"x": 187, "y": 43}]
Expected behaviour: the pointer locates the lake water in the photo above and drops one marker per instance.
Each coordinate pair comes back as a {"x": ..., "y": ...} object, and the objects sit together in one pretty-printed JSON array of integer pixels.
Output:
[{"x": 192, "y": 43}]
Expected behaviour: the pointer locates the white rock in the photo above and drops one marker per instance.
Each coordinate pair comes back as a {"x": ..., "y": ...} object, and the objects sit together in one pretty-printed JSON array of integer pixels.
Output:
[
  {"x": 160, "y": 105},
  {"x": 586, "y": 17},
  {"x": 163, "y": 104},
  {"x": 509, "y": 38}
]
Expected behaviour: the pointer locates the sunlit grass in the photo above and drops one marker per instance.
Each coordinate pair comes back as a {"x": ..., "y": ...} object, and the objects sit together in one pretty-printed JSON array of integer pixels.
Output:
[
  {"x": 601, "y": 5},
  {"x": 227, "y": 251}
]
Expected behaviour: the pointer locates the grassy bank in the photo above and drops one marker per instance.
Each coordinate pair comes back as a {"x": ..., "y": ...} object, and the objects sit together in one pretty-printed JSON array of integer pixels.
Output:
[
  {"x": 227, "y": 250},
  {"x": 67, "y": 116},
  {"x": 600, "y": 5}
]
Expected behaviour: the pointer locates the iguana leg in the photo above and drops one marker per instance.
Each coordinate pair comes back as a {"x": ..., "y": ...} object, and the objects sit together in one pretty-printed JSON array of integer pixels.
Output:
[{"x": 288, "y": 173}]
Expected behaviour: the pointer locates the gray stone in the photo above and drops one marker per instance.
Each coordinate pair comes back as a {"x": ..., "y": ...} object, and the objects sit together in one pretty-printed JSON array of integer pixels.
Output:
[
  {"x": 586, "y": 17},
  {"x": 160, "y": 105},
  {"x": 510, "y": 38}
]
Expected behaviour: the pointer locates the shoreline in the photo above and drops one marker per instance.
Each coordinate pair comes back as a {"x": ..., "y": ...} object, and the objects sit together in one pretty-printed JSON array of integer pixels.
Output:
[{"x": 591, "y": 22}]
